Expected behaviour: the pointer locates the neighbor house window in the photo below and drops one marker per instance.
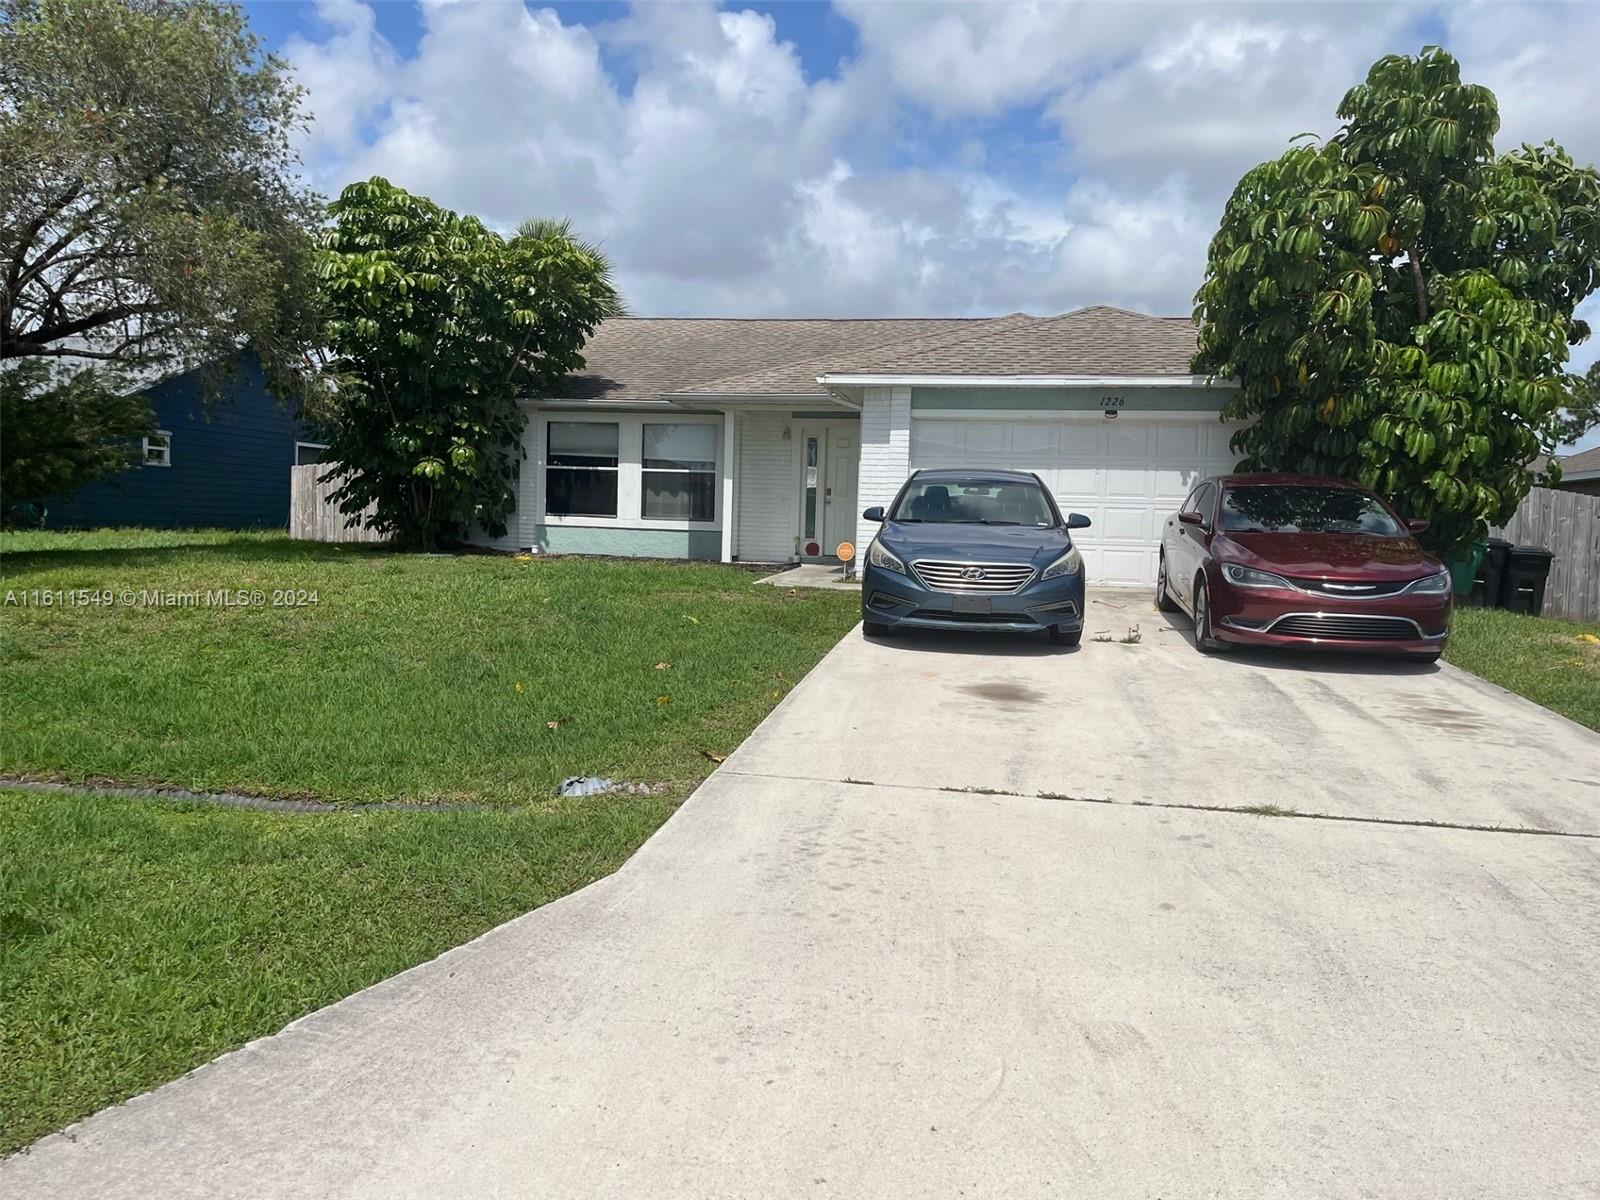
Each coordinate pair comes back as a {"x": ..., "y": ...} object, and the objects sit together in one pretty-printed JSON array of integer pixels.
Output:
[
  {"x": 680, "y": 472},
  {"x": 308, "y": 454},
  {"x": 158, "y": 449},
  {"x": 581, "y": 469}
]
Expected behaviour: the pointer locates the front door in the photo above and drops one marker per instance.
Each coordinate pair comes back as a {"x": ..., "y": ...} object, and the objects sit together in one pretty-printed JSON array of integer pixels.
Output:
[{"x": 829, "y": 461}]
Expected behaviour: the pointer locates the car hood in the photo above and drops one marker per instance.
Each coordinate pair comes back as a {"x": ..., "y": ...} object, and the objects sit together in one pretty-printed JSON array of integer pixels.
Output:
[
  {"x": 1353, "y": 556},
  {"x": 977, "y": 543}
]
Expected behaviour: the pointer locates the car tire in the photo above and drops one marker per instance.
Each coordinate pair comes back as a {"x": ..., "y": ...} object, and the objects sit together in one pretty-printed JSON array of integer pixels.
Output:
[
  {"x": 1204, "y": 640},
  {"x": 1065, "y": 637},
  {"x": 1164, "y": 601},
  {"x": 874, "y": 629}
]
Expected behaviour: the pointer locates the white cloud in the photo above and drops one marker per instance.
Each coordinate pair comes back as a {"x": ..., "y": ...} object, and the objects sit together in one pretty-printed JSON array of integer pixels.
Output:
[{"x": 723, "y": 179}]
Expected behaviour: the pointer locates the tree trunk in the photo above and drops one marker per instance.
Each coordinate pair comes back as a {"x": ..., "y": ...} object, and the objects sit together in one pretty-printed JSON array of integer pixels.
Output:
[{"x": 1418, "y": 283}]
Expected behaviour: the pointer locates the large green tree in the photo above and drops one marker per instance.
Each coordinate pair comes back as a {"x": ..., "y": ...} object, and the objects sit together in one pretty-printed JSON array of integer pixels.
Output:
[
  {"x": 1397, "y": 302},
  {"x": 439, "y": 328},
  {"x": 150, "y": 215}
]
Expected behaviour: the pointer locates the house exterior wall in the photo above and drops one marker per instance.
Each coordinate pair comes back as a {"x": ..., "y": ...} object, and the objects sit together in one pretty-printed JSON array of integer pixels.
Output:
[
  {"x": 766, "y": 488},
  {"x": 230, "y": 465},
  {"x": 885, "y": 453}
]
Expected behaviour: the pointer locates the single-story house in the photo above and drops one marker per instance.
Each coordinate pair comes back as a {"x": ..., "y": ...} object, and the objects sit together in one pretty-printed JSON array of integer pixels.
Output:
[
  {"x": 763, "y": 440},
  {"x": 222, "y": 466},
  {"x": 1581, "y": 472}
]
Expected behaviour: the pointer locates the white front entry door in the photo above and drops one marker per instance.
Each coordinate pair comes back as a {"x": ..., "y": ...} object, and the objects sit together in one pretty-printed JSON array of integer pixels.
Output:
[
  {"x": 1125, "y": 475},
  {"x": 829, "y": 463}
]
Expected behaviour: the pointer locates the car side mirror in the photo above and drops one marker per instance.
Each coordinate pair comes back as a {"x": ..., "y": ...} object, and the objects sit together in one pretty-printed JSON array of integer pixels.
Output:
[
  {"x": 875, "y": 513},
  {"x": 1417, "y": 524},
  {"x": 1191, "y": 518},
  {"x": 1078, "y": 521}
]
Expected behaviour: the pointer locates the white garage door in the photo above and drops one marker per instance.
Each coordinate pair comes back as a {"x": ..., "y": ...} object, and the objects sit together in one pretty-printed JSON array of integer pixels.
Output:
[{"x": 1126, "y": 475}]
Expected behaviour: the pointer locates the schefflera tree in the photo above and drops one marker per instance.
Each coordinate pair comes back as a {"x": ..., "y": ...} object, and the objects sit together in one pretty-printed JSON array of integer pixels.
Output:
[{"x": 1397, "y": 302}]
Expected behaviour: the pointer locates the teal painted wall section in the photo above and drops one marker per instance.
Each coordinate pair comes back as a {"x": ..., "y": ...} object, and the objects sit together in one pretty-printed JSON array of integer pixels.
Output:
[
  {"x": 1134, "y": 399},
  {"x": 631, "y": 543}
]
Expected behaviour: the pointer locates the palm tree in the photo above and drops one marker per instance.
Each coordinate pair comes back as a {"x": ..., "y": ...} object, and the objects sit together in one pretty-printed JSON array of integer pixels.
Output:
[{"x": 538, "y": 229}]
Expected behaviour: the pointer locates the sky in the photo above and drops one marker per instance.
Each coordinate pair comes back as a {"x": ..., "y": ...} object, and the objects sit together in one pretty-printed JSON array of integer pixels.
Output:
[{"x": 885, "y": 157}]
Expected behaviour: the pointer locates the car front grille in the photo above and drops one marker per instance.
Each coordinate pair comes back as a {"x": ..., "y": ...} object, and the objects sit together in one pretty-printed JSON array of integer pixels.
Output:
[
  {"x": 994, "y": 579},
  {"x": 1346, "y": 628},
  {"x": 1351, "y": 591},
  {"x": 955, "y": 618}
]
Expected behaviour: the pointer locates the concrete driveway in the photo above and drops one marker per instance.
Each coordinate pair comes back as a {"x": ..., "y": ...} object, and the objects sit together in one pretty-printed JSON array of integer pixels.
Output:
[{"x": 1060, "y": 985}]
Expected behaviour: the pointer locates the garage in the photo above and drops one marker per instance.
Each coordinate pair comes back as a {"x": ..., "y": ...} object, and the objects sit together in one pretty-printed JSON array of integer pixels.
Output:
[{"x": 1127, "y": 473}]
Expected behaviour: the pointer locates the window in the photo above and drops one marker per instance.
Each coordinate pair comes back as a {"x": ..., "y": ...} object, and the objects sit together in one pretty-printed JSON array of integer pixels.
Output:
[
  {"x": 308, "y": 453},
  {"x": 1305, "y": 508},
  {"x": 949, "y": 500},
  {"x": 680, "y": 472},
  {"x": 581, "y": 469},
  {"x": 158, "y": 449},
  {"x": 1204, "y": 497}
]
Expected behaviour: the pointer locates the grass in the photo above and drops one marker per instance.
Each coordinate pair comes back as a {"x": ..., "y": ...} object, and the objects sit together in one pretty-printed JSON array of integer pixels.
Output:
[
  {"x": 411, "y": 678},
  {"x": 140, "y": 938},
  {"x": 1543, "y": 658}
]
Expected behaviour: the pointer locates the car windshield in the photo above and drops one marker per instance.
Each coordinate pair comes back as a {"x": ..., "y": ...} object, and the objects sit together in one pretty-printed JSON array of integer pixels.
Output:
[
  {"x": 974, "y": 502},
  {"x": 1304, "y": 508}
]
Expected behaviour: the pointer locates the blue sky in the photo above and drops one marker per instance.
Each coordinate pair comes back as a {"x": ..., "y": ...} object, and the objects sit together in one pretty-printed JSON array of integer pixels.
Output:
[{"x": 870, "y": 157}]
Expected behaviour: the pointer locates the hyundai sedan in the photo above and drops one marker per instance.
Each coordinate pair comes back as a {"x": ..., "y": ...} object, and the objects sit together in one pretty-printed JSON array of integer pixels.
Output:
[
  {"x": 974, "y": 550},
  {"x": 1290, "y": 560}
]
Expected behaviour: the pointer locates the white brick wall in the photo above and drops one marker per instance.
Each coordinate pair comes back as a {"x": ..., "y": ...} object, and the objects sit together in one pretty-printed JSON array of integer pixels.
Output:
[
  {"x": 766, "y": 489},
  {"x": 885, "y": 453}
]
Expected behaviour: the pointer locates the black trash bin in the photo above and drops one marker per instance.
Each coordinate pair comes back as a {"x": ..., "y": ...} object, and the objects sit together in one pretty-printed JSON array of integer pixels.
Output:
[
  {"x": 1522, "y": 590},
  {"x": 1491, "y": 573}
]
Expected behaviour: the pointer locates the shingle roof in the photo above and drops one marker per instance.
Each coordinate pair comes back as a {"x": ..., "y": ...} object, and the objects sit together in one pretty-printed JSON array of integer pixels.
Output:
[
  {"x": 1581, "y": 463},
  {"x": 1090, "y": 341},
  {"x": 644, "y": 358}
]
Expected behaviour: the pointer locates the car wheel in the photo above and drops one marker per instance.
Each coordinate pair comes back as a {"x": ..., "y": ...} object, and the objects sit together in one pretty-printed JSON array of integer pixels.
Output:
[
  {"x": 1065, "y": 637},
  {"x": 1164, "y": 601},
  {"x": 1204, "y": 640},
  {"x": 874, "y": 629}
]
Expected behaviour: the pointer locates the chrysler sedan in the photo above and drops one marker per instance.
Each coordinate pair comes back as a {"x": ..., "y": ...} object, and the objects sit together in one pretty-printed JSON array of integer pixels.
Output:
[
  {"x": 1291, "y": 560},
  {"x": 974, "y": 550}
]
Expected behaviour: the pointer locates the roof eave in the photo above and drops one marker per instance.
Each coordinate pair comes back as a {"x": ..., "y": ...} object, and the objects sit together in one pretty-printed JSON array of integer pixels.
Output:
[{"x": 832, "y": 380}]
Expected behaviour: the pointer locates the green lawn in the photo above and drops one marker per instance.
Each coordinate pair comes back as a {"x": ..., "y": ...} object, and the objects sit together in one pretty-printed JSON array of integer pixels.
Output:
[
  {"x": 141, "y": 938},
  {"x": 412, "y": 677},
  {"x": 1547, "y": 660}
]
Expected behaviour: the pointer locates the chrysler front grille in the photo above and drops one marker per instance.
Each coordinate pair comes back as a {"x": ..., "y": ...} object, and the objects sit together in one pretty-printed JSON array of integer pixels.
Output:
[
  {"x": 1348, "y": 628},
  {"x": 1351, "y": 591},
  {"x": 993, "y": 579}
]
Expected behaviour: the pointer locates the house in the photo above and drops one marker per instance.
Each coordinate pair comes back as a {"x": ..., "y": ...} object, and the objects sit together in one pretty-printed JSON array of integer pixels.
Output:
[
  {"x": 763, "y": 440},
  {"x": 225, "y": 466},
  {"x": 1581, "y": 472}
]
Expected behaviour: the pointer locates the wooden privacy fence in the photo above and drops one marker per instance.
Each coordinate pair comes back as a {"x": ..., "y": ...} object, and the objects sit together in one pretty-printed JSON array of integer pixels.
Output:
[
  {"x": 313, "y": 517},
  {"x": 1568, "y": 525}
]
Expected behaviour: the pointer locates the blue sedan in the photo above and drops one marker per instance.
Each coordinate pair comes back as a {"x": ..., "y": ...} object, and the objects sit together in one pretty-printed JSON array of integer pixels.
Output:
[{"x": 974, "y": 550}]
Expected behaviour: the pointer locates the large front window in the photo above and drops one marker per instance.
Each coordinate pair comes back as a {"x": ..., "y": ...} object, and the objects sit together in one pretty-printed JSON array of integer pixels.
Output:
[
  {"x": 679, "y": 476},
  {"x": 581, "y": 469},
  {"x": 1305, "y": 508}
]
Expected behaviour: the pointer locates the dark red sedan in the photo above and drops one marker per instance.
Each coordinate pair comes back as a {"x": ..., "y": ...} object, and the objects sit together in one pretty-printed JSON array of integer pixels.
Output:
[{"x": 1295, "y": 560}]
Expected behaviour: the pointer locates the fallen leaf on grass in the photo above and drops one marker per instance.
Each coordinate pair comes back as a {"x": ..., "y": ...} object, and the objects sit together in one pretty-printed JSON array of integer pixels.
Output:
[
  {"x": 691, "y": 620},
  {"x": 663, "y": 666},
  {"x": 663, "y": 699},
  {"x": 557, "y": 723},
  {"x": 1590, "y": 638},
  {"x": 714, "y": 756},
  {"x": 520, "y": 688}
]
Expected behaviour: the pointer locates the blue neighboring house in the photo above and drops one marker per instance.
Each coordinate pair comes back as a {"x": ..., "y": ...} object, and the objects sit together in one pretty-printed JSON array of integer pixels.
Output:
[{"x": 222, "y": 467}]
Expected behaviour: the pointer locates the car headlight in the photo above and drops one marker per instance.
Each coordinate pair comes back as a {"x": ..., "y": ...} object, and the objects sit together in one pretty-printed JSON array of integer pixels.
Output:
[
  {"x": 1250, "y": 577},
  {"x": 879, "y": 557},
  {"x": 1069, "y": 563},
  {"x": 1433, "y": 585}
]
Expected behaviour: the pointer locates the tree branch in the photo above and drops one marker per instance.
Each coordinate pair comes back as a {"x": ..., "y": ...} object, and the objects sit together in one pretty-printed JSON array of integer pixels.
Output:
[{"x": 1417, "y": 282}]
